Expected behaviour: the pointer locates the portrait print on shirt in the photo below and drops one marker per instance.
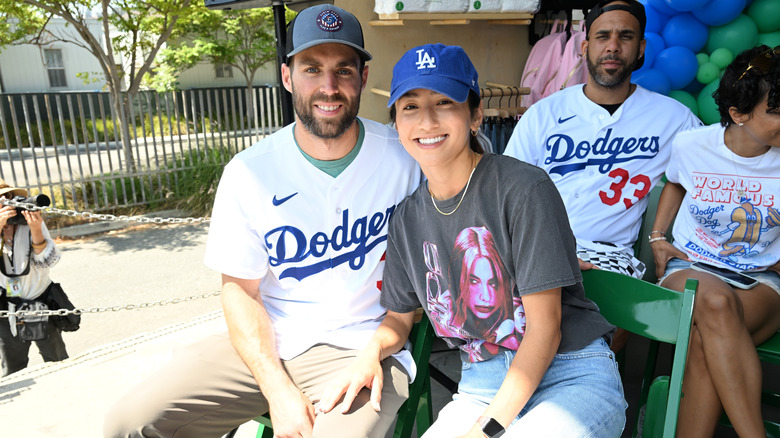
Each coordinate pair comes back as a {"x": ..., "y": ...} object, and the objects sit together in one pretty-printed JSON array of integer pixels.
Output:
[{"x": 475, "y": 299}]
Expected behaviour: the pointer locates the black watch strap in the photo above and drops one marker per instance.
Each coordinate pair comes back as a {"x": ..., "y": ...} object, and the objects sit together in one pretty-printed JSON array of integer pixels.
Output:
[{"x": 490, "y": 427}]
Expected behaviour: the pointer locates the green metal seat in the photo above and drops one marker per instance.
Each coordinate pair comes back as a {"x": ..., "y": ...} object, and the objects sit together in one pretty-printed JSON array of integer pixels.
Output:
[
  {"x": 656, "y": 313},
  {"x": 418, "y": 407}
]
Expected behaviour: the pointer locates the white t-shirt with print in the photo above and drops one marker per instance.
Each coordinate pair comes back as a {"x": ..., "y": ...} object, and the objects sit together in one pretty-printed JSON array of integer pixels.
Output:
[{"x": 715, "y": 223}]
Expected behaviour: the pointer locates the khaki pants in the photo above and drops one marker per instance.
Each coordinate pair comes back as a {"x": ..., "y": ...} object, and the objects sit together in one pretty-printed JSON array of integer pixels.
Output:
[{"x": 207, "y": 390}]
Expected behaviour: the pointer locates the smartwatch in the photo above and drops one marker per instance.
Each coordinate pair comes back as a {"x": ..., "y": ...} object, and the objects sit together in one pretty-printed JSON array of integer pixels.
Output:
[{"x": 490, "y": 427}]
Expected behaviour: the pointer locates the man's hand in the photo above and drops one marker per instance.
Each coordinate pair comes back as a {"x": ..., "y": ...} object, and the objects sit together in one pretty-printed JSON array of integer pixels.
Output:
[
  {"x": 365, "y": 371},
  {"x": 292, "y": 414},
  {"x": 584, "y": 266}
]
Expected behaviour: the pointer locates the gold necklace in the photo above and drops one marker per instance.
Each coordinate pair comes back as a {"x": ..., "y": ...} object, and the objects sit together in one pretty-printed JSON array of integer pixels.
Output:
[{"x": 461, "y": 196}]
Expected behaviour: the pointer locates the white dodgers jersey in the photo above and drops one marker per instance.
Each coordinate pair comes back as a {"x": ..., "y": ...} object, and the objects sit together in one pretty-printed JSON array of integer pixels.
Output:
[
  {"x": 317, "y": 242},
  {"x": 603, "y": 165}
]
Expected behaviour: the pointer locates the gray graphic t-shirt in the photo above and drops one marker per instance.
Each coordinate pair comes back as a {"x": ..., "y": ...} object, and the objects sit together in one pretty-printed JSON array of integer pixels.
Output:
[{"x": 470, "y": 270}]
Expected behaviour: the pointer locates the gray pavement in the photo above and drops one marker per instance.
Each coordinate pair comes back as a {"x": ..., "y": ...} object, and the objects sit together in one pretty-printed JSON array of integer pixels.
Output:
[
  {"x": 133, "y": 266},
  {"x": 114, "y": 350}
]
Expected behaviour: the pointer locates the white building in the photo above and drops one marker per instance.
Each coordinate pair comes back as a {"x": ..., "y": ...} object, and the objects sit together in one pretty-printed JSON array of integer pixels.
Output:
[
  {"x": 55, "y": 67},
  {"x": 207, "y": 75}
]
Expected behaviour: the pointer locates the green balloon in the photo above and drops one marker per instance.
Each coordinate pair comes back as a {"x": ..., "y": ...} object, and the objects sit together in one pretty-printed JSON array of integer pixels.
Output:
[
  {"x": 771, "y": 39},
  {"x": 766, "y": 14},
  {"x": 686, "y": 99},
  {"x": 702, "y": 58},
  {"x": 741, "y": 34},
  {"x": 708, "y": 72},
  {"x": 721, "y": 57},
  {"x": 708, "y": 109}
]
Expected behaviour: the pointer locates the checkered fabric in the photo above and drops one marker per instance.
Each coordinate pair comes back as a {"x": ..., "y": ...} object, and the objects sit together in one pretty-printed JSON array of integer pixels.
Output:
[{"x": 615, "y": 261}]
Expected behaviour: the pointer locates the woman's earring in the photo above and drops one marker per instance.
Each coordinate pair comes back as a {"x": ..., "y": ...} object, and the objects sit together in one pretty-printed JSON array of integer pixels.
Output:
[
  {"x": 474, "y": 132},
  {"x": 741, "y": 124}
]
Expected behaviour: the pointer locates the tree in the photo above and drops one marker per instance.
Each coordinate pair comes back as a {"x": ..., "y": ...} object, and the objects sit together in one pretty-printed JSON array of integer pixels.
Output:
[
  {"x": 243, "y": 38},
  {"x": 134, "y": 32},
  {"x": 12, "y": 29}
]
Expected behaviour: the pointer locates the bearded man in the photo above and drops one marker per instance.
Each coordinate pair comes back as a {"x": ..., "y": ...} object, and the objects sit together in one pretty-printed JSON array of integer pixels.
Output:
[{"x": 606, "y": 143}]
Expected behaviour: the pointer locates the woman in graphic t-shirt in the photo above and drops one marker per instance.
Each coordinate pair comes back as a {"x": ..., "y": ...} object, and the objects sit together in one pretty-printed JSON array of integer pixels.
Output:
[{"x": 535, "y": 353}]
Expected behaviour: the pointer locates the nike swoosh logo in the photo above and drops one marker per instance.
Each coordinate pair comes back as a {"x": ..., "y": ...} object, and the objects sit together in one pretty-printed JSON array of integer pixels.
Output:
[
  {"x": 278, "y": 202},
  {"x": 560, "y": 120}
]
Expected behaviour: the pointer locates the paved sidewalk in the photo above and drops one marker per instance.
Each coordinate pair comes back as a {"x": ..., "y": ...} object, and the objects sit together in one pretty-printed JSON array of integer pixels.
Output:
[{"x": 70, "y": 398}]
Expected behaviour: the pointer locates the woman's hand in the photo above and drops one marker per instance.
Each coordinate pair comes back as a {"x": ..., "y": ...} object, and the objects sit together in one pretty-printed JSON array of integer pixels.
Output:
[
  {"x": 6, "y": 212},
  {"x": 664, "y": 251},
  {"x": 775, "y": 267},
  {"x": 34, "y": 220},
  {"x": 365, "y": 371}
]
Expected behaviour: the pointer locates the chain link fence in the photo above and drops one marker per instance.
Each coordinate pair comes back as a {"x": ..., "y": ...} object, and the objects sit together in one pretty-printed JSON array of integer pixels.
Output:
[{"x": 104, "y": 217}]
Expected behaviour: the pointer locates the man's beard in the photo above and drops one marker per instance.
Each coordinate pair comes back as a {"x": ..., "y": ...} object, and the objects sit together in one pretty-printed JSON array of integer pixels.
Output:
[
  {"x": 605, "y": 79},
  {"x": 328, "y": 128}
]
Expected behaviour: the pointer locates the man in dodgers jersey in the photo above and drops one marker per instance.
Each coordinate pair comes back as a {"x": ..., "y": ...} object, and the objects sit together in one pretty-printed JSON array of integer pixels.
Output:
[
  {"x": 606, "y": 143},
  {"x": 298, "y": 231}
]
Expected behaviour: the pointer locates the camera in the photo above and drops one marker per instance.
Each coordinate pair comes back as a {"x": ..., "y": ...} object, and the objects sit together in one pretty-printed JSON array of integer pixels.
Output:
[{"x": 39, "y": 200}]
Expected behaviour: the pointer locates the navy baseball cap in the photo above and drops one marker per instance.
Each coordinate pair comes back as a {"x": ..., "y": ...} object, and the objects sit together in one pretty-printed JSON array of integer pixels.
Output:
[
  {"x": 324, "y": 24},
  {"x": 633, "y": 7},
  {"x": 443, "y": 69}
]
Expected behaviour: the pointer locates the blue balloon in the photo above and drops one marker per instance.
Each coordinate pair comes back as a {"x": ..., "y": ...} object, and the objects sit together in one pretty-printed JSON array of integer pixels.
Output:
[
  {"x": 663, "y": 7},
  {"x": 653, "y": 80},
  {"x": 655, "y": 19},
  {"x": 718, "y": 12},
  {"x": 654, "y": 46},
  {"x": 686, "y": 31},
  {"x": 686, "y": 5},
  {"x": 655, "y": 39},
  {"x": 678, "y": 64}
]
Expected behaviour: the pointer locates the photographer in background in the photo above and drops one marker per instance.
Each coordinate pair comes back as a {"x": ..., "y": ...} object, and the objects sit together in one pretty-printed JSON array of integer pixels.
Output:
[{"x": 28, "y": 252}]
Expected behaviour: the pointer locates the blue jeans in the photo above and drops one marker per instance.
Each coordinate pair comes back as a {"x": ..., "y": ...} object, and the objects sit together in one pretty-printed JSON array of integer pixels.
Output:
[{"x": 580, "y": 395}]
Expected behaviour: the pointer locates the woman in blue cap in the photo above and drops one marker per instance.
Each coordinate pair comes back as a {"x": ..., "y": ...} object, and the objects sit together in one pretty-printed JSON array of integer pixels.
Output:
[{"x": 558, "y": 378}]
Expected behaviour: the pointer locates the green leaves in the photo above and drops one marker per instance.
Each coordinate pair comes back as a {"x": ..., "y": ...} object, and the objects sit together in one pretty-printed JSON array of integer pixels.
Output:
[{"x": 243, "y": 38}]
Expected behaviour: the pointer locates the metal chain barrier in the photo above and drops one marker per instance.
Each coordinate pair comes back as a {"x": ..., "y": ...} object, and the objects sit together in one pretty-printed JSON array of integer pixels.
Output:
[
  {"x": 105, "y": 217},
  {"x": 63, "y": 312}
]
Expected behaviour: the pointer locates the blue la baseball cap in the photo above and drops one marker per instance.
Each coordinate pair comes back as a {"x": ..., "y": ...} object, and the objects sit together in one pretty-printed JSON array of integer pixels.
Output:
[{"x": 443, "y": 69}]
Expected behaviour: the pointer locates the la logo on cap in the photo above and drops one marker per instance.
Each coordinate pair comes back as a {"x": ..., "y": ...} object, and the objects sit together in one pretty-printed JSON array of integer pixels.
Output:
[{"x": 424, "y": 60}]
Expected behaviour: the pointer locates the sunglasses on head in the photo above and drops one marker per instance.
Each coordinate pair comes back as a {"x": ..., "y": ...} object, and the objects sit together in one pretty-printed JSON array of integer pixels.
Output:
[{"x": 761, "y": 62}]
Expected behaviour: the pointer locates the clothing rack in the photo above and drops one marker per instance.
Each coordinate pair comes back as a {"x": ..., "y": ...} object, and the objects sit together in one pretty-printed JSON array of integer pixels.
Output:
[{"x": 499, "y": 121}]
